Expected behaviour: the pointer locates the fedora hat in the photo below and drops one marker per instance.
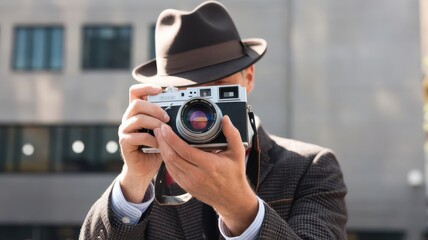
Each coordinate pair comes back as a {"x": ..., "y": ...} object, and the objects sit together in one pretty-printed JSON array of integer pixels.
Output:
[{"x": 197, "y": 47}]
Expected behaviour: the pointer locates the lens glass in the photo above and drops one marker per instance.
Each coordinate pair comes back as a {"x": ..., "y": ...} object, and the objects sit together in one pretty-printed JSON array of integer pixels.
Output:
[{"x": 198, "y": 117}]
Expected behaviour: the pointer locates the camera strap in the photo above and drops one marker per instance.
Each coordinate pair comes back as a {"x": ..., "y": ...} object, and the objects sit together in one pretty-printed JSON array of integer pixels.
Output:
[
  {"x": 160, "y": 182},
  {"x": 252, "y": 172},
  {"x": 253, "y": 163}
]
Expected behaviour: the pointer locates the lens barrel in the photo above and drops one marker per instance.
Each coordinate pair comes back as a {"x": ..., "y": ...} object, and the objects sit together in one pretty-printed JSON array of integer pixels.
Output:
[{"x": 199, "y": 120}]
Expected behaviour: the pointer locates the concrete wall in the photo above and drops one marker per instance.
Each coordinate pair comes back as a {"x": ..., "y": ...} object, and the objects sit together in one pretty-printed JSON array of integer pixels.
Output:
[{"x": 357, "y": 89}]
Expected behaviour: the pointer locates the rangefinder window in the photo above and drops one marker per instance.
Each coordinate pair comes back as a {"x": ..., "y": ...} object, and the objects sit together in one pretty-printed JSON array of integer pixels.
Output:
[
  {"x": 206, "y": 92},
  {"x": 229, "y": 92}
]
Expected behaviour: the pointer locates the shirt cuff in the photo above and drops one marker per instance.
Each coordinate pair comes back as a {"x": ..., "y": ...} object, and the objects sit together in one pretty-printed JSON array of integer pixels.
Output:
[
  {"x": 127, "y": 212},
  {"x": 251, "y": 232}
]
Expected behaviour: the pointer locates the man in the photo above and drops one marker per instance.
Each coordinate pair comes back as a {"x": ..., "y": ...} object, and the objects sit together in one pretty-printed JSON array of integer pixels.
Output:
[{"x": 276, "y": 189}]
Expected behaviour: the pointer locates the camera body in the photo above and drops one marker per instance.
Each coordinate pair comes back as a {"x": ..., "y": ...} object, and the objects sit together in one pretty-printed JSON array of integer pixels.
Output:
[{"x": 196, "y": 114}]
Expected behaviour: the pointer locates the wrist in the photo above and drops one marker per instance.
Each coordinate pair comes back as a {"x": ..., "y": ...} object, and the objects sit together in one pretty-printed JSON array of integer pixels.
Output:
[
  {"x": 238, "y": 217},
  {"x": 133, "y": 187}
]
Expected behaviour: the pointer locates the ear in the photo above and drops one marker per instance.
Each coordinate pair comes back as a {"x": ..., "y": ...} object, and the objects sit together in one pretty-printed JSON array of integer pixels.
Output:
[{"x": 249, "y": 78}]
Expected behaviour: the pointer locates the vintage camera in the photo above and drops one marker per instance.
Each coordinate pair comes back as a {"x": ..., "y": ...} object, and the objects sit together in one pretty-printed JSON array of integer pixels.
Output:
[{"x": 196, "y": 114}]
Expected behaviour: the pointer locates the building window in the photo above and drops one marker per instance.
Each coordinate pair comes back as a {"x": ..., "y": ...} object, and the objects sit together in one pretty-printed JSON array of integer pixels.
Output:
[
  {"x": 38, "y": 48},
  {"x": 106, "y": 47},
  {"x": 59, "y": 148},
  {"x": 32, "y": 151},
  {"x": 19, "y": 232},
  {"x": 376, "y": 235}
]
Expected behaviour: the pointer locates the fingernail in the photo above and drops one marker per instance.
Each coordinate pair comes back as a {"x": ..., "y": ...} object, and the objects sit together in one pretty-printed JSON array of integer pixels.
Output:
[
  {"x": 156, "y": 132},
  {"x": 164, "y": 129},
  {"x": 166, "y": 117},
  {"x": 227, "y": 118}
]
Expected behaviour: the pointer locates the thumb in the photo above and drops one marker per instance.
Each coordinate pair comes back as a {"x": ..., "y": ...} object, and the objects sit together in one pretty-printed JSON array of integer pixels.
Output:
[{"x": 233, "y": 137}]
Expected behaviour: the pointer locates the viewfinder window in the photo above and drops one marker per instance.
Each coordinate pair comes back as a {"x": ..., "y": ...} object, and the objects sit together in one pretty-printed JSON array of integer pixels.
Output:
[
  {"x": 205, "y": 92},
  {"x": 229, "y": 92}
]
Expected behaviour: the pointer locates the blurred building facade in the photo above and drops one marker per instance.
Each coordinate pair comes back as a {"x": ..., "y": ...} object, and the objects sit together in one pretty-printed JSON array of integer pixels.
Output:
[{"x": 342, "y": 74}]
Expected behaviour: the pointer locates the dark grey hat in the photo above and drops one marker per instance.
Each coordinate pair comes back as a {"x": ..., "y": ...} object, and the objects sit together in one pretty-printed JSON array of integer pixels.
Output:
[{"x": 197, "y": 47}]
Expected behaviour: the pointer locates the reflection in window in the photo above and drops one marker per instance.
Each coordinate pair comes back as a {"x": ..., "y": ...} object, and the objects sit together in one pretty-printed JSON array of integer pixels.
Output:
[
  {"x": 112, "y": 147},
  {"x": 106, "y": 47},
  {"x": 109, "y": 151},
  {"x": 70, "y": 148},
  {"x": 78, "y": 151},
  {"x": 34, "y": 149},
  {"x": 38, "y": 48},
  {"x": 78, "y": 146},
  {"x": 28, "y": 149}
]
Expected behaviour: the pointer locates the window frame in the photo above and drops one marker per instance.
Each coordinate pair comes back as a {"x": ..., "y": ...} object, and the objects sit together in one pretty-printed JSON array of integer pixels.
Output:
[
  {"x": 86, "y": 64},
  {"x": 47, "y": 65}
]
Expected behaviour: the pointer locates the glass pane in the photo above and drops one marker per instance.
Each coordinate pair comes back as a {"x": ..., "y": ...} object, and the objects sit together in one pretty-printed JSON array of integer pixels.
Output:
[
  {"x": 125, "y": 32},
  {"x": 103, "y": 48},
  {"x": 122, "y": 50},
  {"x": 16, "y": 232},
  {"x": 7, "y": 148},
  {"x": 56, "y": 48},
  {"x": 106, "y": 33},
  {"x": 36, "y": 231},
  {"x": 87, "y": 35},
  {"x": 375, "y": 235},
  {"x": 39, "y": 48},
  {"x": 108, "y": 149},
  {"x": 33, "y": 145},
  {"x": 3, "y": 147},
  {"x": 106, "y": 47},
  {"x": 78, "y": 149},
  {"x": 21, "y": 50}
]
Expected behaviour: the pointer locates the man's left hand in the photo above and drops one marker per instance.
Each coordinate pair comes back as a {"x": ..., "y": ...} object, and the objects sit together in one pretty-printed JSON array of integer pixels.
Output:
[{"x": 217, "y": 179}]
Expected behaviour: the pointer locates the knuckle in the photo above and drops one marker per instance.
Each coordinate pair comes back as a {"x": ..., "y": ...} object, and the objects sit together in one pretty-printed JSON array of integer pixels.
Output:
[
  {"x": 187, "y": 154},
  {"x": 170, "y": 156},
  {"x": 135, "y": 103},
  {"x": 123, "y": 138},
  {"x": 133, "y": 89}
]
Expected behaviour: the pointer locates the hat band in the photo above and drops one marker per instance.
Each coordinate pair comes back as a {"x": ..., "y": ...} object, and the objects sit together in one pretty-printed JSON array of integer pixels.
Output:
[{"x": 200, "y": 57}]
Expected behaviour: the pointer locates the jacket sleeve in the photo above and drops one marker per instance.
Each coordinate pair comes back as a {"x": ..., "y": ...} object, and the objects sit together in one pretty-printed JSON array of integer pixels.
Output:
[
  {"x": 318, "y": 210},
  {"x": 101, "y": 223}
]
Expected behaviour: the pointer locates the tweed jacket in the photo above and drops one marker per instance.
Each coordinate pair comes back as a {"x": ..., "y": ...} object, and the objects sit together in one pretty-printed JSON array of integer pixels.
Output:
[{"x": 301, "y": 185}]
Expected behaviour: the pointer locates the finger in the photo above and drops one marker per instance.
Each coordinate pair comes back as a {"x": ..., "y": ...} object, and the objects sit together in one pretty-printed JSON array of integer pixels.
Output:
[
  {"x": 141, "y": 91},
  {"x": 233, "y": 137},
  {"x": 138, "y": 122},
  {"x": 143, "y": 107},
  {"x": 169, "y": 155},
  {"x": 138, "y": 139},
  {"x": 193, "y": 155}
]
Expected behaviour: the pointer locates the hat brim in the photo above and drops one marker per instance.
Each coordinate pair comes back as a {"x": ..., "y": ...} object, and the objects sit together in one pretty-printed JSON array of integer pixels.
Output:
[{"x": 147, "y": 72}]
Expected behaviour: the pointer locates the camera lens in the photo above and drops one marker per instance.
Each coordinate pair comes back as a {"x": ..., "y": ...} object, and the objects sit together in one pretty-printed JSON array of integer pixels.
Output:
[{"x": 199, "y": 120}]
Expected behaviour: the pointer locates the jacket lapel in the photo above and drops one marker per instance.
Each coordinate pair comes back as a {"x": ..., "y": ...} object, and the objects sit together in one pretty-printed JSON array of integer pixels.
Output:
[{"x": 266, "y": 163}]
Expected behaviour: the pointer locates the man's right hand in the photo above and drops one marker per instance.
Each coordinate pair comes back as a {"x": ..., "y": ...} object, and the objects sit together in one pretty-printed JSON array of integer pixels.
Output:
[{"x": 139, "y": 168}]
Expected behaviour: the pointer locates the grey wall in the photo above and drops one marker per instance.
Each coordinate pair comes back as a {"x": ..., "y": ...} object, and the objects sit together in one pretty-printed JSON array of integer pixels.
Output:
[
  {"x": 357, "y": 89},
  {"x": 49, "y": 199}
]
